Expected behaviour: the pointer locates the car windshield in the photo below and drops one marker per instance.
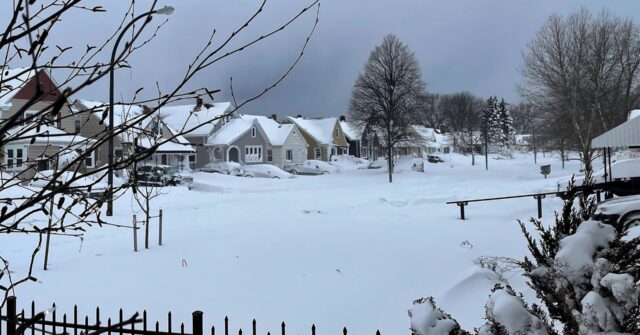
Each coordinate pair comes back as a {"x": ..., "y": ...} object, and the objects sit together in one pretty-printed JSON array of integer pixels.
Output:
[{"x": 171, "y": 170}]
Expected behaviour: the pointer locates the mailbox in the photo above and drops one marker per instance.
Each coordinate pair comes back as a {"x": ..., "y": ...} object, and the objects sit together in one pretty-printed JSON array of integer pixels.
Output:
[{"x": 545, "y": 170}]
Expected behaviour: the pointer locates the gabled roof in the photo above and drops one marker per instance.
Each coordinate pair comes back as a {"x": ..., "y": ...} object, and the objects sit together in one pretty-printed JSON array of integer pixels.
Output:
[
  {"x": 276, "y": 133},
  {"x": 235, "y": 128},
  {"x": 43, "y": 134},
  {"x": 184, "y": 117},
  {"x": 11, "y": 87},
  {"x": 320, "y": 130},
  {"x": 351, "y": 131},
  {"x": 123, "y": 114}
]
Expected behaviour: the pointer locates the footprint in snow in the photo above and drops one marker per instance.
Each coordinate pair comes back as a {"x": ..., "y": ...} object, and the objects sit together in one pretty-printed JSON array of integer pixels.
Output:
[
  {"x": 395, "y": 203},
  {"x": 313, "y": 211}
]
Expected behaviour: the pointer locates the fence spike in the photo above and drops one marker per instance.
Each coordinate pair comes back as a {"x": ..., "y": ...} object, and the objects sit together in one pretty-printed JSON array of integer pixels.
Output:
[
  {"x": 378, "y": 332},
  {"x": 213, "y": 330},
  {"x": 75, "y": 319},
  {"x": 109, "y": 326},
  {"x": 240, "y": 331},
  {"x": 120, "y": 320},
  {"x": 86, "y": 324},
  {"x": 54, "y": 319},
  {"x": 254, "y": 327},
  {"x": 226, "y": 325},
  {"x": 97, "y": 316},
  {"x": 33, "y": 313},
  {"x": 169, "y": 322},
  {"x": 144, "y": 320},
  {"x": 344, "y": 330},
  {"x": 157, "y": 326},
  {"x": 182, "y": 328},
  {"x": 64, "y": 323},
  {"x": 283, "y": 328},
  {"x": 313, "y": 329}
]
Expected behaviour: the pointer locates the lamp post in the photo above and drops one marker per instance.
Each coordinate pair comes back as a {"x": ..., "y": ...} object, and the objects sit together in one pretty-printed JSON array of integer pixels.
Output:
[
  {"x": 167, "y": 10},
  {"x": 486, "y": 145}
]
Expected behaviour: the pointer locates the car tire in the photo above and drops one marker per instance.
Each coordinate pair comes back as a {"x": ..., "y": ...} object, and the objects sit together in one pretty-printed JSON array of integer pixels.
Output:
[
  {"x": 276, "y": 177},
  {"x": 325, "y": 172},
  {"x": 628, "y": 218},
  {"x": 293, "y": 172},
  {"x": 248, "y": 176}
]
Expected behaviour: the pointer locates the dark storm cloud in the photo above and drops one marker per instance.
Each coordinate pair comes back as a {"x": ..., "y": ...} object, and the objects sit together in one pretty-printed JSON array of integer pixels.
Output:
[{"x": 473, "y": 45}]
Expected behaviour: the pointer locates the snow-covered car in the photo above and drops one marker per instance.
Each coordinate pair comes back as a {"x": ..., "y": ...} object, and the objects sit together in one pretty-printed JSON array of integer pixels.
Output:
[
  {"x": 379, "y": 164},
  {"x": 230, "y": 168},
  {"x": 158, "y": 175},
  {"x": 313, "y": 167},
  {"x": 434, "y": 159},
  {"x": 625, "y": 173},
  {"x": 265, "y": 171},
  {"x": 87, "y": 186},
  {"x": 619, "y": 211}
]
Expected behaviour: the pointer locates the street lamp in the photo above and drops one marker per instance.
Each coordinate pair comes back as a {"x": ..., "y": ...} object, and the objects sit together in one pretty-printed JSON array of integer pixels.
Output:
[{"x": 167, "y": 10}]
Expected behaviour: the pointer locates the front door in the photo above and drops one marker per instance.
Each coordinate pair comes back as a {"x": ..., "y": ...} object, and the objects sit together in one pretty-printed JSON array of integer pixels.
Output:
[
  {"x": 43, "y": 165},
  {"x": 234, "y": 155}
]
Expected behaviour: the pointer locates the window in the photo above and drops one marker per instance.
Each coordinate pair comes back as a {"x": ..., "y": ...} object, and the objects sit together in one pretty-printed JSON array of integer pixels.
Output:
[
  {"x": 18, "y": 157},
  {"x": 253, "y": 153},
  {"x": 217, "y": 153},
  {"x": 89, "y": 158},
  {"x": 336, "y": 133},
  {"x": 9, "y": 159},
  {"x": 77, "y": 124},
  {"x": 119, "y": 153},
  {"x": 317, "y": 153},
  {"x": 253, "y": 132},
  {"x": 269, "y": 155},
  {"x": 290, "y": 155},
  {"x": 192, "y": 158}
]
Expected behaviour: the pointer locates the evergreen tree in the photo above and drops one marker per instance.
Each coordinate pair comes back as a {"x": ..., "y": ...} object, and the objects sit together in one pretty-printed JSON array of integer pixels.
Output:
[{"x": 505, "y": 121}]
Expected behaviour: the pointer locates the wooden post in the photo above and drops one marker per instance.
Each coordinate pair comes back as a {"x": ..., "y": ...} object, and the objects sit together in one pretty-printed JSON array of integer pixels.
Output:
[
  {"x": 539, "y": 200},
  {"x": 12, "y": 319},
  {"x": 197, "y": 323},
  {"x": 160, "y": 228},
  {"x": 135, "y": 234}
]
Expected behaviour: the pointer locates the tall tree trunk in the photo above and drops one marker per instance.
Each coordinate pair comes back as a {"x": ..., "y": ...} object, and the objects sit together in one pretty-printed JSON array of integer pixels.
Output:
[{"x": 390, "y": 162}]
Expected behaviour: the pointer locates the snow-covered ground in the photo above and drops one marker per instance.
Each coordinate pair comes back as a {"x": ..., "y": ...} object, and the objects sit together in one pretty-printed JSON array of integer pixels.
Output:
[{"x": 347, "y": 249}]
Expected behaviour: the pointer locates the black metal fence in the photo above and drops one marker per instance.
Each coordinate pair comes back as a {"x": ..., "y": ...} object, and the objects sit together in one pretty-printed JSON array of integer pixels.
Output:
[{"x": 46, "y": 322}]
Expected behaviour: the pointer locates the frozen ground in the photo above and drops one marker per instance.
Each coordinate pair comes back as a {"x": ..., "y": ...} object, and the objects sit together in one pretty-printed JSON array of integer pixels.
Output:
[{"x": 338, "y": 250}]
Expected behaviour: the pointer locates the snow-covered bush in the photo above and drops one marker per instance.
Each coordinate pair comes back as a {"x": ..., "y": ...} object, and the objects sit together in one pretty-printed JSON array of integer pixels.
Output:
[
  {"x": 584, "y": 272},
  {"x": 427, "y": 319}
]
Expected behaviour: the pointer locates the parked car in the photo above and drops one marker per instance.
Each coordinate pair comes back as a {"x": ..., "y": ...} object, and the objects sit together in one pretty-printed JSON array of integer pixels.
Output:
[
  {"x": 230, "y": 168},
  {"x": 265, "y": 171},
  {"x": 312, "y": 167},
  {"x": 434, "y": 159},
  {"x": 379, "y": 164},
  {"x": 158, "y": 175},
  {"x": 625, "y": 173},
  {"x": 620, "y": 212},
  {"x": 86, "y": 186}
]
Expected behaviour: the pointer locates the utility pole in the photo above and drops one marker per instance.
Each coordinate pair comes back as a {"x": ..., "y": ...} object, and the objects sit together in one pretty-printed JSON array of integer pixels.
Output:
[{"x": 486, "y": 145}]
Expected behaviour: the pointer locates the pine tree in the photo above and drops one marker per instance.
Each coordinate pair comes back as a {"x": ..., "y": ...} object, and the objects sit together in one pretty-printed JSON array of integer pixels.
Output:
[{"x": 505, "y": 121}]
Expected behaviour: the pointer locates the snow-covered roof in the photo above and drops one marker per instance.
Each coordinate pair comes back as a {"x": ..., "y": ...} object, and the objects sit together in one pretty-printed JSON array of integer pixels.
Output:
[
  {"x": 184, "y": 118},
  {"x": 275, "y": 132},
  {"x": 43, "y": 134},
  {"x": 320, "y": 129},
  {"x": 351, "y": 131},
  {"x": 623, "y": 136},
  {"x": 11, "y": 87},
  {"x": 166, "y": 146},
  {"x": 634, "y": 113}
]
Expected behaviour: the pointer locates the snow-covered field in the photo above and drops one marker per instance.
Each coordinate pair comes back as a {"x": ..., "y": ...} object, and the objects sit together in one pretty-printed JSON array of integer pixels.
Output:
[{"x": 347, "y": 249}]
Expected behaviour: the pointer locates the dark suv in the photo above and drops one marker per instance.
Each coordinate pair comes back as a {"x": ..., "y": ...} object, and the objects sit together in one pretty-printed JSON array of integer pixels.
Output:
[{"x": 159, "y": 175}]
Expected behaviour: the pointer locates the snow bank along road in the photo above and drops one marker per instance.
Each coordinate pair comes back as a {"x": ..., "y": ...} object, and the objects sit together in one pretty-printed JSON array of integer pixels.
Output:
[{"x": 339, "y": 250}]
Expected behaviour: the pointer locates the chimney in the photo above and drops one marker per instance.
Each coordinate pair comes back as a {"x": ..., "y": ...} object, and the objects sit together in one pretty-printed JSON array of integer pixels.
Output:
[
  {"x": 274, "y": 117},
  {"x": 199, "y": 102},
  {"x": 343, "y": 118},
  {"x": 299, "y": 116}
]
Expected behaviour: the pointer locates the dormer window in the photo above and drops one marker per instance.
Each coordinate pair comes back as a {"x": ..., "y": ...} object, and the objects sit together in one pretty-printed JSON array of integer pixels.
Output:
[{"x": 253, "y": 132}]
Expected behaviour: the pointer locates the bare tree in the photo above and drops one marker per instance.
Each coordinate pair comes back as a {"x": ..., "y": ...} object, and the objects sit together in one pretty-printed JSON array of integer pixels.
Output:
[
  {"x": 430, "y": 111},
  {"x": 385, "y": 95},
  {"x": 462, "y": 114},
  {"x": 45, "y": 119},
  {"x": 581, "y": 74}
]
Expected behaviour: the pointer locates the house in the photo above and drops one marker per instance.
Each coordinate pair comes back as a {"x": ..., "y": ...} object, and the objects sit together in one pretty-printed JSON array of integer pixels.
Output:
[
  {"x": 353, "y": 136},
  {"x": 523, "y": 142},
  {"x": 253, "y": 139},
  {"x": 92, "y": 121},
  {"x": 37, "y": 144},
  {"x": 195, "y": 122},
  {"x": 370, "y": 144},
  {"x": 42, "y": 147},
  {"x": 325, "y": 137},
  {"x": 169, "y": 147}
]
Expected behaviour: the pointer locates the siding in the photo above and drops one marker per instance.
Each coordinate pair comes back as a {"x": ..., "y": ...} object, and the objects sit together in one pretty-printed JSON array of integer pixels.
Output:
[{"x": 246, "y": 140}]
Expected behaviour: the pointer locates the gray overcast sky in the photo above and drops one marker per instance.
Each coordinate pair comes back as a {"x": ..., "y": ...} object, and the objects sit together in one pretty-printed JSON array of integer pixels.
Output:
[{"x": 473, "y": 45}]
